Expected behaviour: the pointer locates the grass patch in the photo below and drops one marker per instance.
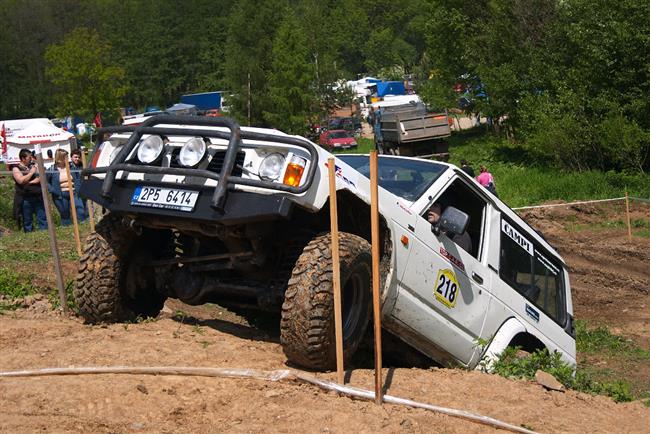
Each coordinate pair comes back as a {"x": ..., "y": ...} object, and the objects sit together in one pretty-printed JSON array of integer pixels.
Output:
[
  {"x": 511, "y": 365},
  {"x": 26, "y": 265},
  {"x": 588, "y": 378},
  {"x": 600, "y": 340},
  {"x": 522, "y": 179},
  {"x": 364, "y": 146},
  {"x": 642, "y": 225},
  {"x": 13, "y": 286}
]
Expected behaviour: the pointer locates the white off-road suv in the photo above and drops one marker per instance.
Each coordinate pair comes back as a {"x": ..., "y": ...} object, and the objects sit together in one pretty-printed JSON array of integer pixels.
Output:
[{"x": 202, "y": 210}]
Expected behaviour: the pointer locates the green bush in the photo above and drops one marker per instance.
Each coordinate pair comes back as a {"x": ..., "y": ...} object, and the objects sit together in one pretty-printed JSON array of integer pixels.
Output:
[{"x": 511, "y": 365}]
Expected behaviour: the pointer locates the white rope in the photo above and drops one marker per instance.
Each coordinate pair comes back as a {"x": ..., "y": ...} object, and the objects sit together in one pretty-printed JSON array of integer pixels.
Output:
[
  {"x": 257, "y": 374},
  {"x": 570, "y": 203}
]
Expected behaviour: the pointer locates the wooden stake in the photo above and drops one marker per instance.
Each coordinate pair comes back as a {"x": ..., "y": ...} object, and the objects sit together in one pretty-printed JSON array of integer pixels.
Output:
[
  {"x": 374, "y": 228},
  {"x": 63, "y": 298},
  {"x": 627, "y": 212},
  {"x": 89, "y": 203},
  {"x": 336, "y": 273},
  {"x": 73, "y": 209}
]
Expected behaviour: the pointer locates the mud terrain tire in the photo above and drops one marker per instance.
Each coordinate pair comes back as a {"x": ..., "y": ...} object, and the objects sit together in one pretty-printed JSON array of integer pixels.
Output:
[
  {"x": 307, "y": 325},
  {"x": 101, "y": 287}
]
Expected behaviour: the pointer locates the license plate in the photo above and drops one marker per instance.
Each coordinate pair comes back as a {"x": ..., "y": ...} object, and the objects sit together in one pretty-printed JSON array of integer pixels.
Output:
[{"x": 167, "y": 198}]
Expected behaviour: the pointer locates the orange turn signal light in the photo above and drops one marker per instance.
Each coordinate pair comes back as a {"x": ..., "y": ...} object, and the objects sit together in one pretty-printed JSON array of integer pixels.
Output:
[
  {"x": 405, "y": 240},
  {"x": 293, "y": 174}
]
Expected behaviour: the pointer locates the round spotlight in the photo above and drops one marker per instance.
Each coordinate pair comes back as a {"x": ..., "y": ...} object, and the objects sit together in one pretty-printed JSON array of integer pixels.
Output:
[
  {"x": 150, "y": 149},
  {"x": 192, "y": 152},
  {"x": 271, "y": 167}
]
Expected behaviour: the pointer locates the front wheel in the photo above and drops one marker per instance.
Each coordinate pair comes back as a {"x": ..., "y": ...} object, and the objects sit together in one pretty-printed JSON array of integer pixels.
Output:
[
  {"x": 307, "y": 330},
  {"x": 112, "y": 283}
]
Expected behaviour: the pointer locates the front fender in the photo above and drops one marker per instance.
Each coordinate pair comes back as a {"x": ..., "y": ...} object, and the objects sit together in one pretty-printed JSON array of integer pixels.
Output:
[{"x": 500, "y": 342}]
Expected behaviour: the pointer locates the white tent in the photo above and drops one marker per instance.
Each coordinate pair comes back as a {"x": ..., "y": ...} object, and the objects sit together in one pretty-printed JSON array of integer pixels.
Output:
[{"x": 25, "y": 133}]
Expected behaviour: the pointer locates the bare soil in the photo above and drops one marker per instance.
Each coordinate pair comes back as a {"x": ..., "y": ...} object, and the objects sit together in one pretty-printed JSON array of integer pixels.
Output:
[{"x": 611, "y": 286}]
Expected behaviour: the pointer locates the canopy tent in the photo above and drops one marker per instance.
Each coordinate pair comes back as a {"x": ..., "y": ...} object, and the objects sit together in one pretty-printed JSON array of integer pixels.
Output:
[
  {"x": 25, "y": 133},
  {"x": 390, "y": 88},
  {"x": 182, "y": 109}
]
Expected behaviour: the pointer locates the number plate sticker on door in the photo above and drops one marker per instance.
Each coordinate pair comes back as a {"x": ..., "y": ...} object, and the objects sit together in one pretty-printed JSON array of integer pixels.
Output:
[
  {"x": 447, "y": 288},
  {"x": 167, "y": 198}
]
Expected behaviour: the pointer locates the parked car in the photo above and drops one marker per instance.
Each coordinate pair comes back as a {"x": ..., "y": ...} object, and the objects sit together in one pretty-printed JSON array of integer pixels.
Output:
[
  {"x": 352, "y": 124},
  {"x": 212, "y": 113},
  {"x": 337, "y": 139}
]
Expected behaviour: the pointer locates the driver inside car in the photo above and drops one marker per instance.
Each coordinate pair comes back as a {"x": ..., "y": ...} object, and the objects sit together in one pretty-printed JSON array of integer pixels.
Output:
[{"x": 463, "y": 240}]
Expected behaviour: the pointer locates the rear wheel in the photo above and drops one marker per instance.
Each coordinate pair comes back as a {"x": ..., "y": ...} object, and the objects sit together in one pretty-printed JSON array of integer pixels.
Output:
[
  {"x": 307, "y": 325},
  {"x": 113, "y": 282}
]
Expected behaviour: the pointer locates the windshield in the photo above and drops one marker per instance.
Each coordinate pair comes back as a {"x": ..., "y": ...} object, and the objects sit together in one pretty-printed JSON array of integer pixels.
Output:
[
  {"x": 339, "y": 135},
  {"x": 406, "y": 178}
]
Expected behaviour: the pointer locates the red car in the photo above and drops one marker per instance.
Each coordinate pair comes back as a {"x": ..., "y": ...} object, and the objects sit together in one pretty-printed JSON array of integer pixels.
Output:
[{"x": 337, "y": 139}]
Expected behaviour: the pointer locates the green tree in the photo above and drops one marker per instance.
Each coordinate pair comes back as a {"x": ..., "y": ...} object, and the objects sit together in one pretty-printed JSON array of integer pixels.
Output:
[
  {"x": 82, "y": 69},
  {"x": 291, "y": 79},
  {"x": 249, "y": 44}
]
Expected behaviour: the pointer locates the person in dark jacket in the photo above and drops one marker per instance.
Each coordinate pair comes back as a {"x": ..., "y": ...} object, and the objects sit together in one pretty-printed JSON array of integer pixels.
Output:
[
  {"x": 57, "y": 185},
  {"x": 28, "y": 199},
  {"x": 465, "y": 167}
]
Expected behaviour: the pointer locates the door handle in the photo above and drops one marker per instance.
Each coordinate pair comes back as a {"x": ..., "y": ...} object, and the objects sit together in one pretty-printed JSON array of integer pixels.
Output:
[{"x": 477, "y": 278}]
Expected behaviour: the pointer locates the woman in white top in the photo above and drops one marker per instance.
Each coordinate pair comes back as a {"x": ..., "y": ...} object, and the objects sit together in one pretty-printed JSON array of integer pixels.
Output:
[{"x": 57, "y": 184}]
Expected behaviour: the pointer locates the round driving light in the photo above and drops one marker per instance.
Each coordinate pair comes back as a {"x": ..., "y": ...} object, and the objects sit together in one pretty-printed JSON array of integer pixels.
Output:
[
  {"x": 150, "y": 149},
  {"x": 192, "y": 152},
  {"x": 271, "y": 167}
]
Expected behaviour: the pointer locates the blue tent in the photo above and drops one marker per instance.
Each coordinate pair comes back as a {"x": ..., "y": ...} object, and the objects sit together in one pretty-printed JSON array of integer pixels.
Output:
[{"x": 390, "y": 88}]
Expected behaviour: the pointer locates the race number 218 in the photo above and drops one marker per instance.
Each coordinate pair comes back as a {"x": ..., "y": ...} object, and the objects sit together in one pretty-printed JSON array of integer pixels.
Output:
[{"x": 446, "y": 288}]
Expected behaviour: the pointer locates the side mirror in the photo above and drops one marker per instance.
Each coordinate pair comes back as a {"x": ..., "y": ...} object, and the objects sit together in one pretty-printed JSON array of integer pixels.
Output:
[{"x": 452, "y": 221}]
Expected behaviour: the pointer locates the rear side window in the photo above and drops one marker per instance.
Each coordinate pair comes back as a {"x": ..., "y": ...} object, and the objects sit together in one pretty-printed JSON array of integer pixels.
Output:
[{"x": 532, "y": 272}]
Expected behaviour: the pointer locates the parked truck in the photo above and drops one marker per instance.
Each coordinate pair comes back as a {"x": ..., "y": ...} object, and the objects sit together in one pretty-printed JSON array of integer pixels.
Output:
[
  {"x": 204, "y": 101},
  {"x": 410, "y": 129}
]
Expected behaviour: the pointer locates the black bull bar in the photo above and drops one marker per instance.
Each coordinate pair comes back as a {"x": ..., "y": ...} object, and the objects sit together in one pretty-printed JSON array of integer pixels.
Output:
[{"x": 224, "y": 178}]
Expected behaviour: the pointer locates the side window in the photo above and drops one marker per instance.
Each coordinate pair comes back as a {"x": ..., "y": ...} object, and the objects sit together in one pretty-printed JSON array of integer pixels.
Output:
[
  {"x": 527, "y": 268},
  {"x": 460, "y": 195}
]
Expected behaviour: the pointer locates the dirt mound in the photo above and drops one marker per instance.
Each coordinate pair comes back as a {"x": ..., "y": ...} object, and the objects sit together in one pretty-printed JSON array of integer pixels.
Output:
[{"x": 128, "y": 403}]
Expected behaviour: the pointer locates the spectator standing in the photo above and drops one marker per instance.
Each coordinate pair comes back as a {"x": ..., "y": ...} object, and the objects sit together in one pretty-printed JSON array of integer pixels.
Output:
[
  {"x": 57, "y": 185},
  {"x": 486, "y": 179},
  {"x": 28, "y": 199},
  {"x": 77, "y": 167},
  {"x": 465, "y": 167}
]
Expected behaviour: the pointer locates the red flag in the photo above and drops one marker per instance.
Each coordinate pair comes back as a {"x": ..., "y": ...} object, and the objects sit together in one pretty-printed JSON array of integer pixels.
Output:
[
  {"x": 98, "y": 120},
  {"x": 3, "y": 133}
]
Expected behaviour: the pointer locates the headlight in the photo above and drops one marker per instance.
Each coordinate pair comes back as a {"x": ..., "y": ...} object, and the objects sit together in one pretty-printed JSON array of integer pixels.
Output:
[
  {"x": 271, "y": 167},
  {"x": 192, "y": 152},
  {"x": 150, "y": 149}
]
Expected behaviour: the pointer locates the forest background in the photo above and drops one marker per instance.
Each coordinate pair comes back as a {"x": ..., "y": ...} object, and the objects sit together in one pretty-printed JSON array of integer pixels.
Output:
[{"x": 568, "y": 78}]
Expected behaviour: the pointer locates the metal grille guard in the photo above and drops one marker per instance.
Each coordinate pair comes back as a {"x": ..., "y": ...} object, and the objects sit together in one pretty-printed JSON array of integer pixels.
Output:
[{"x": 224, "y": 178}]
